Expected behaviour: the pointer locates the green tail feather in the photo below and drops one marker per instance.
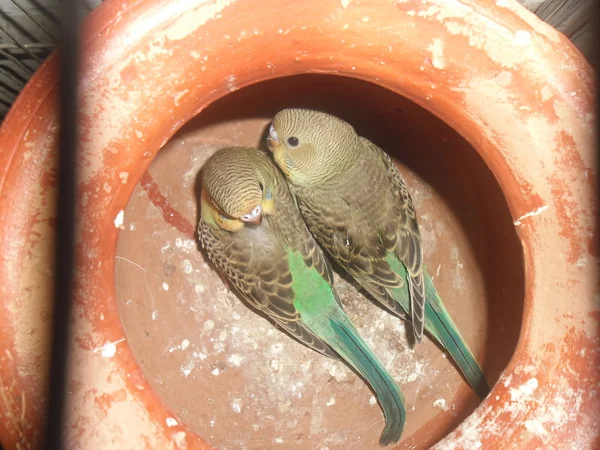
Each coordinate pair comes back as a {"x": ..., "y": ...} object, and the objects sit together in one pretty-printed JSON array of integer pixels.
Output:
[
  {"x": 440, "y": 326},
  {"x": 320, "y": 311},
  {"x": 354, "y": 350}
]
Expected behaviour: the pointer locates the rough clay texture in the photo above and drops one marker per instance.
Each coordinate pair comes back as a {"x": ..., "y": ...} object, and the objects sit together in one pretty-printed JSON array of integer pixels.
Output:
[
  {"x": 511, "y": 85},
  {"x": 233, "y": 377}
]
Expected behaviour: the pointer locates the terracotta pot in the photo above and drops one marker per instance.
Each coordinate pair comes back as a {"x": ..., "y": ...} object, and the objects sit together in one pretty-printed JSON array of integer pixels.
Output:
[{"x": 508, "y": 215}]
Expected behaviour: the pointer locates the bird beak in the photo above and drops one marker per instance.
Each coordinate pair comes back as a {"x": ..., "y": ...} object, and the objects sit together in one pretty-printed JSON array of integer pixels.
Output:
[
  {"x": 273, "y": 139},
  {"x": 257, "y": 220}
]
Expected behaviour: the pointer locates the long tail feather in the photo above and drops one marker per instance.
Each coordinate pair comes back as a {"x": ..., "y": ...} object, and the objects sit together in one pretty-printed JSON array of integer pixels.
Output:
[
  {"x": 354, "y": 350},
  {"x": 441, "y": 326}
]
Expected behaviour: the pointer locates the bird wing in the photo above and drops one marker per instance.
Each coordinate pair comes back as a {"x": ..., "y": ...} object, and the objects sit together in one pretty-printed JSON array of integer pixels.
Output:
[
  {"x": 403, "y": 237},
  {"x": 260, "y": 272}
]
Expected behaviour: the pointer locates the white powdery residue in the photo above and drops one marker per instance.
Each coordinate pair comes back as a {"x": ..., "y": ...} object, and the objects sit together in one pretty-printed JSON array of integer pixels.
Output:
[
  {"x": 236, "y": 405},
  {"x": 185, "y": 344},
  {"x": 199, "y": 355},
  {"x": 530, "y": 214},
  {"x": 330, "y": 402},
  {"x": 219, "y": 347},
  {"x": 119, "y": 219},
  {"x": 546, "y": 93},
  {"x": 372, "y": 400},
  {"x": 522, "y": 38},
  {"x": 231, "y": 79},
  {"x": 235, "y": 316},
  {"x": 526, "y": 389},
  {"x": 165, "y": 286},
  {"x": 235, "y": 359},
  {"x": 502, "y": 3},
  {"x": 132, "y": 226},
  {"x": 345, "y": 3},
  {"x": 187, "y": 266},
  {"x": 274, "y": 365},
  {"x": 171, "y": 422},
  {"x": 124, "y": 176},
  {"x": 437, "y": 54},
  {"x": 337, "y": 371},
  {"x": 278, "y": 440},
  {"x": 418, "y": 372},
  {"x": 109, "y": 349},
  {"x": 216, "y": 372},
  {"x": 582, "y": 262},
  {"x": 178, "y": 96},
  {"x": 199, "y": 288},
  {"x": 179, "y": 438},
  {"x": 441, "y": 403},
  {"x": 187, "y": 245},
  {"x": 276, "y": 348},
  {"x": 507, "y": 381},
  {"x": 187, "y": 368},
  {"x": 187, "y": 23},
  {"x": 558, "y": 414},
  {"x": 536, "y": 427},
  {"x": 155, "y": 315}
]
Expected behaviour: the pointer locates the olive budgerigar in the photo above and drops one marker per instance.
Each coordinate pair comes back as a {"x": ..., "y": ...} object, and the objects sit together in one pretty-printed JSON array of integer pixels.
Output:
[
  {"x": 357, "y": 206},
  {"x": 252, "y": 231}
]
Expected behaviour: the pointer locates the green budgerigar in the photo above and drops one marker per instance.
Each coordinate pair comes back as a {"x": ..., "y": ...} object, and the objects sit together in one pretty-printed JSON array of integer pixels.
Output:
[
  {"x": 357, "y": 206},
  {"x": 253, "y": 232}
]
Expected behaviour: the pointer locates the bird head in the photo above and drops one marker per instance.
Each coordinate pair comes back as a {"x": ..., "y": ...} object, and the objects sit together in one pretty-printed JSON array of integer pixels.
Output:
[
  {"x": 311, "y": 146},
  {"x": 235, "y": 188}
]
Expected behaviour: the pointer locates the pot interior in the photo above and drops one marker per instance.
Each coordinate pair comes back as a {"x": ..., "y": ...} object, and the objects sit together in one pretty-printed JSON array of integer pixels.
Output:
[{"x": 239, "y": 382}]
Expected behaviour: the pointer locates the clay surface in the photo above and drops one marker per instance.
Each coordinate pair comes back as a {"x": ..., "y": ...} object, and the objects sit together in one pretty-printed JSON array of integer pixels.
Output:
[
  {"x": 238, "y": 381},
  {"x": 514, "y": 88}
]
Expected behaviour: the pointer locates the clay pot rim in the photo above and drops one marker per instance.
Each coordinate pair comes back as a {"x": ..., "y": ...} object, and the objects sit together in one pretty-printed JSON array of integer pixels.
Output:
[{"x": 104, "y": 23}]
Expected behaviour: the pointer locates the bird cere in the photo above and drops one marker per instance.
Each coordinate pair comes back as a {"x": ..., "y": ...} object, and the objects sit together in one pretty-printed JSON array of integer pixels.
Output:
[{"x": 272, "y": 223}]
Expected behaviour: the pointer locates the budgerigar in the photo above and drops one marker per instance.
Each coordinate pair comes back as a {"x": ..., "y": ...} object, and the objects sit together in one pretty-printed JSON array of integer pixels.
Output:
[
  {"x": 357, "y": 206},
  {"x": 253, "y": 232}
]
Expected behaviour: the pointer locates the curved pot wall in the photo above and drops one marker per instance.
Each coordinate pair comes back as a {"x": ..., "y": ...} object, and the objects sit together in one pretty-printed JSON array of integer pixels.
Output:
[{"x": 512, "y": 87}]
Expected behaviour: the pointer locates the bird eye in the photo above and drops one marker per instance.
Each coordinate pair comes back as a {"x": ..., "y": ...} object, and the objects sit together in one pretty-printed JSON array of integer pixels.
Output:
[{"x": 293, "y": 141}]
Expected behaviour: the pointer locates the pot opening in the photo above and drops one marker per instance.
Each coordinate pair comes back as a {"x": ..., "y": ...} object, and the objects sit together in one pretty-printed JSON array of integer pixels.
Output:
[{"x": 238, "y": 382}]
